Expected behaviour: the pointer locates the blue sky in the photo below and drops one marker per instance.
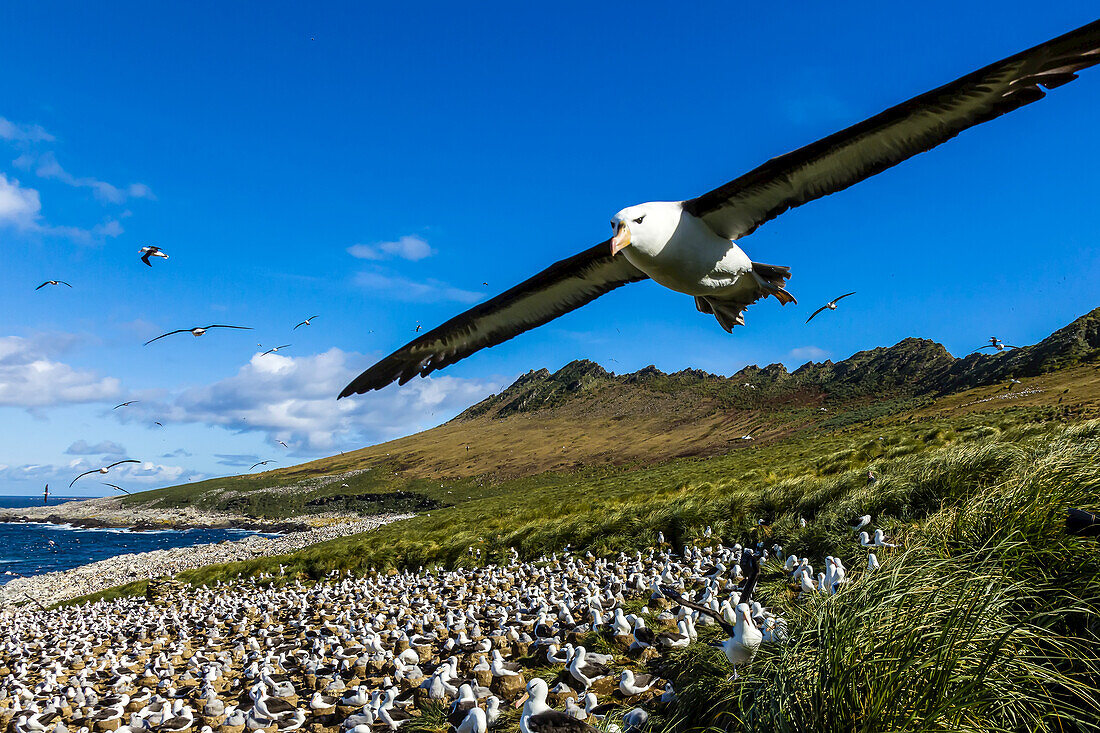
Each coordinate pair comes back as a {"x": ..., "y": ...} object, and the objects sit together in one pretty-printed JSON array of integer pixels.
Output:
[{"x": 376, "y": 165}]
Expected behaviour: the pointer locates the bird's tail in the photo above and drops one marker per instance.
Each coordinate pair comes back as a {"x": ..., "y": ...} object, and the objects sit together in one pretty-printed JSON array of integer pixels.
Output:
[
  {"x": 730, "y": 313},
  {"x": 772, "y": 279}
]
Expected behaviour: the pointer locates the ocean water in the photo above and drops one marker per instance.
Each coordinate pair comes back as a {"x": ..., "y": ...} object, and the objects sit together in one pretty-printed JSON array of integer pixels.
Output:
[{"x": 31, "y": 549}]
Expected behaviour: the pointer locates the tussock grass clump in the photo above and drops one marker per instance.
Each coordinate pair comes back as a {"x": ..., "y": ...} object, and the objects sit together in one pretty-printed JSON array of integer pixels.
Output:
[{"x": 986, "y": 621}]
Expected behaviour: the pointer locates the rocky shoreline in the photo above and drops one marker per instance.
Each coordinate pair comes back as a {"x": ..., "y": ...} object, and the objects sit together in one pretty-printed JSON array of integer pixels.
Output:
[
  {"x": 50, "y": 588},
  {"x": 110, "y": 511},
  {"x": 254, "y": 525}
]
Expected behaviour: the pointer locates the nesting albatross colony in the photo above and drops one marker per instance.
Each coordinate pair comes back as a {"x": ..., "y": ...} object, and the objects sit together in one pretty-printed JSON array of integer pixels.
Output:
[{"x": 901, "y": 540}]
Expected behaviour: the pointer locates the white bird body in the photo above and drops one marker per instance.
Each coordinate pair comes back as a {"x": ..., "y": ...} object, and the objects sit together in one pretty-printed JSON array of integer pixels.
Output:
[
  {"x": 741, "y": 647},
  {"x": 474, "y": 722},
  {"x": 682, "y": 253}
]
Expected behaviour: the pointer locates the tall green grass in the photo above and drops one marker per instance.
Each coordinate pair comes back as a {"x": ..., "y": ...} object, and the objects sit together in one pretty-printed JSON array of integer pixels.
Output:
[{"x": 985, "y": 621}]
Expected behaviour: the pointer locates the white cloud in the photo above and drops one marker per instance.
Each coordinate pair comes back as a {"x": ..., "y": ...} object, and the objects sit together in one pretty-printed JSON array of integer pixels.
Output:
[
  {"x": 808, "y": 353},
  {"x": 178, "y": 453},
  {"x": 30, "y": 376},
  {"x": 147, "y": 473},
  {"x": 102, "y": 448},
  {"x": 237, "y": 460},
  {"x": 428, "y": 290},
  {"x": 409, "y": 247},
  {"x": 49, "y": 168},
  {"x": 293, "y": 399},
  {"x": 19, "y": 207},
  {"x": 23, "y": 133}
]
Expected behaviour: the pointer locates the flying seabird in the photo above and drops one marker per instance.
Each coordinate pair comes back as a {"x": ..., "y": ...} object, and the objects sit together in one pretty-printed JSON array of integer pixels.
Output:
[
  {"x": 306, "y": 322},
  {"x": 52, "y": 282},
  {"x": 105, "y": 469},
  {"x": 281, "y": 443},
  {"x": 262, "y": 463},
  {"x": 273, "y": 349},
  {"x": 196, "y": 331},
  {"x": 831, "y": 305},
  {"x": 124, "y": 491},
  {"x": 151, "y": 251},
  {"x": 995, "y": 343},
  {"x": 686, "y": 245},
  {"x": 124, "y": 404}
]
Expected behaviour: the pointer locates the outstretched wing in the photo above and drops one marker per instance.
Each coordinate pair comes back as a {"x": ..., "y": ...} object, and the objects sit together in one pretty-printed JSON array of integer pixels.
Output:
[
  {"x": 178, "y": 330},
  {"x": 43, "y": 285},
  {"x": 847, "y": 157},
  {"x": 94, "y": 470},
  {"x": 815, "y": 313},
  {"x": 219, "y": 325},
  {"x": 113, "y": 486},
  {"x": 562, "y": 287},
  {"x": 674, "y": 595},
  {"x": 837, "y": 300},
  {"x": 118, "y": 463}
]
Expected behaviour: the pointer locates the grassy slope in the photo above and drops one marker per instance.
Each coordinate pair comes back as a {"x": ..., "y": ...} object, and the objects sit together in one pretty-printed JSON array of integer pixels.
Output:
[
  {"x": 547, "y": 427},
  {"x": 611, "y": 507},
  {"x": 984, "y": 620}
]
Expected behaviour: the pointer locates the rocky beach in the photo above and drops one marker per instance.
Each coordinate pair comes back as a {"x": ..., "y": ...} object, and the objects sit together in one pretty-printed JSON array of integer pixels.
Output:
[
  {"x": 111, "y": 511},
  {"x": 50, "y": 588}
]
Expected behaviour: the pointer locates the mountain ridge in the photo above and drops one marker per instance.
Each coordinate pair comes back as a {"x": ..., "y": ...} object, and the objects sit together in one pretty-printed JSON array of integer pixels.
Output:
[{"x": 913, "y": 367}]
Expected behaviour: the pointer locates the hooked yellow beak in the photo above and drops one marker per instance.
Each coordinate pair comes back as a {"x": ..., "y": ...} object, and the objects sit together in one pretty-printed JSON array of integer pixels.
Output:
[
  {"x": 621, "y": 238},
  {"x": 519, "y": 702}
]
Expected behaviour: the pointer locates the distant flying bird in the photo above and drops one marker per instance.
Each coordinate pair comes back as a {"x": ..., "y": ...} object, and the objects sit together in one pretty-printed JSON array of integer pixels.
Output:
[
  {"x": 150, "y": 251},
  {"x": 262, "y": 463},
  {"x": 46, "y": 494},
  {"x": 273, "y": 349},
  {"x": 686, "y": 245},
  {"x": 306, "y": 322},
  {"x": 105, "y": 469},
  {"x": 124, "y": 404},
  {"x": 831, "y": 305},
  {"x": 197, "y": 331},
  {"x": 124, "y": 491},
  {"x": 52, "y": 282},
  {"x": 418, "y": 327},
  {"x": 281, "y": 443},
  {"x": 995, "y": 343}
]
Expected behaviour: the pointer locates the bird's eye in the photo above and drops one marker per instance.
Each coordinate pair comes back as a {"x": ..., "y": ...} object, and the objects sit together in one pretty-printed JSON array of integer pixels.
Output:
[{"x": 639, "y": 219}]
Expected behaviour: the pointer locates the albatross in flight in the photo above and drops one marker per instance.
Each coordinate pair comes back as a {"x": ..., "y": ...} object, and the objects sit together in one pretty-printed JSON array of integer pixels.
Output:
[
  {"x": 688, "y": 246},
  {"x": 104, "y": 470},
  {"x": 995, "y": 343},
  {"x": 151, "y": 251},
  {"x": 197, "y": 331},
  {"x": 831, "y": 305},
  {"x": 52, "y": 282}
]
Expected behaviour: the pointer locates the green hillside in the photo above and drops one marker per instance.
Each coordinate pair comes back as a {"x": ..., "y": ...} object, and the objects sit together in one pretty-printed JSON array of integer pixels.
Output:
[
  {"x": 584, "y": 423},
  {"x": 985, "y": 600}
]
